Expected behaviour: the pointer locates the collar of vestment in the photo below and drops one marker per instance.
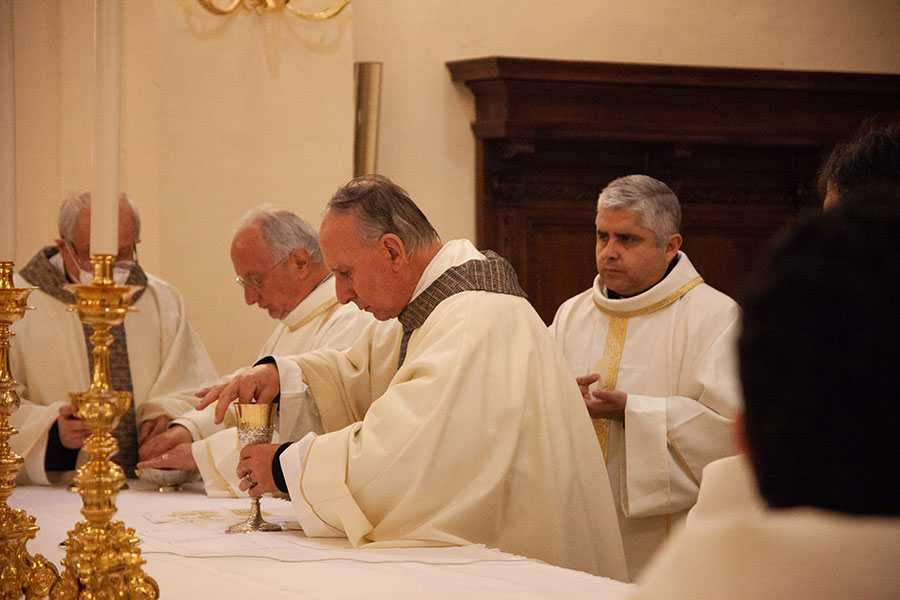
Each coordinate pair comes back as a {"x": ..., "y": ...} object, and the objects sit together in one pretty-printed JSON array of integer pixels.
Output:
[
  {"x": 45, "y": 270},
  {"x": 682, "y": 279},
  {"x": 678, "y": 282},
  {"x": 320, "y": 301},
  {"x": 489, "y": 273}
]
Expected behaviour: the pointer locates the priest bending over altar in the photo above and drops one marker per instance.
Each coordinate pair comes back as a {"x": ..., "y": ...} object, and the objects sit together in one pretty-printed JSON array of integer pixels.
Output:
[
  {"x": 278, "y": 264},
  {"x": 456, "y": 422},
  {"x": 652, "y": 348}
]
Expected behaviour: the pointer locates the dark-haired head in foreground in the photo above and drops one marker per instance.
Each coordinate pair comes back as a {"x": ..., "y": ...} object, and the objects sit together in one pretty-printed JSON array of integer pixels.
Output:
[
  {"x": 820, "y": 364},
  {"x": 864, "y": 169}
]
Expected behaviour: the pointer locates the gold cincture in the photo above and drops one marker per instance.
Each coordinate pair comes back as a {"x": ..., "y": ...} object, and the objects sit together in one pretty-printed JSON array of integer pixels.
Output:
[
  {"x": 261, "y": 6},
  {"x": 102, "y": 558},
  {"x": 20, "y": 573}
]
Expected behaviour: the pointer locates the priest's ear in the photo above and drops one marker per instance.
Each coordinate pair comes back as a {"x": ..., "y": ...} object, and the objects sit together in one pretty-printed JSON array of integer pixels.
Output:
[
  {"x": 300, "y": 260},
  {"x": 673, "y": 245},
  {"x": 395, "y": 249}
]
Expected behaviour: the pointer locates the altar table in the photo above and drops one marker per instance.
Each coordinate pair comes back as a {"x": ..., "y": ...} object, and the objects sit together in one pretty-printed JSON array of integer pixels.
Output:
[{"x": 190, "y": 557}]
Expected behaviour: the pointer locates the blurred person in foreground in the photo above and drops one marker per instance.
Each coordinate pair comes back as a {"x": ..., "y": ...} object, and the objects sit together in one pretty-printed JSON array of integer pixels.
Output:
[
  {"x": 865, "y": 168},
  {"x": 818, "y": 364}
]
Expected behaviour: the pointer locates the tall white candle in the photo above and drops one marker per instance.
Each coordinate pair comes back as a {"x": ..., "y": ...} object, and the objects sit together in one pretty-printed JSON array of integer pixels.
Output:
[
  {"x": 105, "y": 187},
  {"x": 7, "y": 134}
]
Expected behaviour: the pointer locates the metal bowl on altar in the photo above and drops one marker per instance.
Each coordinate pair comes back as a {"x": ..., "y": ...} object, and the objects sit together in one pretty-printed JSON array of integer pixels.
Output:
[{"x": 168, "y": 480}]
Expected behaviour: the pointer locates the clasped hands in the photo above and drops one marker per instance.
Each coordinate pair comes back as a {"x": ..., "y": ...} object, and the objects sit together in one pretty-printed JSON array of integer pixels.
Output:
[
  {"x": 602, "y": 404},
  {"x": 73, "y": 432}
]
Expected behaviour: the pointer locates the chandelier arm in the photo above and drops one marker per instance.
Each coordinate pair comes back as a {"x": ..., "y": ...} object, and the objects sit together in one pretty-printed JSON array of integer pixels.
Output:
[
  {"x": 208, "y": 5},
  {"x": 317, "y": 16}
]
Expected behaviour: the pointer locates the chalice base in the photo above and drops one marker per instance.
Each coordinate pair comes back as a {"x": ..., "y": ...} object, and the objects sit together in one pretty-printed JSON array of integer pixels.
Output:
[{"x": 254, "y": 522}]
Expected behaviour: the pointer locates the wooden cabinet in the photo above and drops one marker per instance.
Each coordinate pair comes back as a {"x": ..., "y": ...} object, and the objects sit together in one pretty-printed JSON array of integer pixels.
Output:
[{"x": 740, "y": 147}]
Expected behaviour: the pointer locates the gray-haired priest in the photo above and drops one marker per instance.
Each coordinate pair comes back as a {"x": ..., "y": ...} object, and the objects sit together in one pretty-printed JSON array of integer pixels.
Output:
[
  {"x": 278, "y": 263},
  {"x": 456, "y": 422},
  {"x": 154, "y": 354},
  {"x": 653, "y": 349}
]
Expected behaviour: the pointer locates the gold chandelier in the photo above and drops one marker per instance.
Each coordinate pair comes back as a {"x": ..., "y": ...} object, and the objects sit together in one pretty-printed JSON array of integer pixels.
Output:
[{"x": 262, "y": 6}]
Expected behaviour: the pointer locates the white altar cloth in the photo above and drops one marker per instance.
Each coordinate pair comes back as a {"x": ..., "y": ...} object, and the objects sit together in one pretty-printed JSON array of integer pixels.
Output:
[{"x": 190, "y": 557}]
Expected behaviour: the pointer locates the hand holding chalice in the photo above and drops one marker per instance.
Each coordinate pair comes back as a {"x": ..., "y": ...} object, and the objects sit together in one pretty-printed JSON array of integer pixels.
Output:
[{"x": 255, "y": 424}]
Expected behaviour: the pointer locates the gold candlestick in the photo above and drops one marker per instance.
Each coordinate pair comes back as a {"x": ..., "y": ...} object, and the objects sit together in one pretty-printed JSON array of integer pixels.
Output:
[
  {"x": 20, "y": 573},
  {"x": 102, "y": 558}
]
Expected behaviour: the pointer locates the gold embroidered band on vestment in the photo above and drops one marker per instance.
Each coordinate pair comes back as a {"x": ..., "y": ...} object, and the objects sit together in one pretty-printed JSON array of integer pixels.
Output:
[
  {"x": 615, "y": 345},
  {"x": 329, "y": 306}
]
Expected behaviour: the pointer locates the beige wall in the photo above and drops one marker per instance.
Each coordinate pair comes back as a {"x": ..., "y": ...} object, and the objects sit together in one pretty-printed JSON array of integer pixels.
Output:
[
  {"x": 427, "y": 144},
  {"x": 220, "y": 114}
]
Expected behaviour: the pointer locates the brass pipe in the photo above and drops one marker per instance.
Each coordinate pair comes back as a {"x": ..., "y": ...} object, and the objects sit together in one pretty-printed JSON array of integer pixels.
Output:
[{"x": 367, "y": 93}]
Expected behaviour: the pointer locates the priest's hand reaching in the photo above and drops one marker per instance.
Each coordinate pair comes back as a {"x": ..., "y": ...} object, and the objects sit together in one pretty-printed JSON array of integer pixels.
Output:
[
  {"x": 153, "y": 427},
  {"x": 179, "y": 457},
  {"x": 255, "y": 469},
  {"x": 159, "y": 444},
  {"x": 259, "y": 384}
]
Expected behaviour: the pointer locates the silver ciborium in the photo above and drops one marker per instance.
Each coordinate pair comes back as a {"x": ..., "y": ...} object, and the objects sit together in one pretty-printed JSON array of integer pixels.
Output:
[{"x": 255, "y": 425}]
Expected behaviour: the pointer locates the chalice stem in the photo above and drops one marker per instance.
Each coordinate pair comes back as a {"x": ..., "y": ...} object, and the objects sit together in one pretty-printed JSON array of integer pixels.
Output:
[{"x": 255, "y": 512}]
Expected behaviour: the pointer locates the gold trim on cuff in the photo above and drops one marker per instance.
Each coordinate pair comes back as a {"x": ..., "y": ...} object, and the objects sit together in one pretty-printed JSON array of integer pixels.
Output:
[
  {"x": 679, "y": 458},
  {"x": 302, "y": 493}
]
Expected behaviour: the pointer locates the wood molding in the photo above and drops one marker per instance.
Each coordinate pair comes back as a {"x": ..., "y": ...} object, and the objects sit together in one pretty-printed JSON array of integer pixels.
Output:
[{"x": 740, "y": 147}]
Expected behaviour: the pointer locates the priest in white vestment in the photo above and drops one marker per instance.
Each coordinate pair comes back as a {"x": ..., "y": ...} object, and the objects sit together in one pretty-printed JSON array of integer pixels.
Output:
[
  {"x": 819, "y": 363},
  {"x": 155, "y": 352},
  {"x": 278, "y": 263},
  {"x": 652, "y": 346},
  {"x": 456, "y": 422}
]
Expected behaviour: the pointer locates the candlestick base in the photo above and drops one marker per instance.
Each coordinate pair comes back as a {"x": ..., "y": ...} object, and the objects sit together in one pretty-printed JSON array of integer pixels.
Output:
[{"x": 20, "y": 573}]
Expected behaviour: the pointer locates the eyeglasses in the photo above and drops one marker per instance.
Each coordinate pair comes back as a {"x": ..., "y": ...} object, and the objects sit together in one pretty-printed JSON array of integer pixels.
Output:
[
  {"x": 257, "y": 282},
  {"x": 126, "y": 258}
]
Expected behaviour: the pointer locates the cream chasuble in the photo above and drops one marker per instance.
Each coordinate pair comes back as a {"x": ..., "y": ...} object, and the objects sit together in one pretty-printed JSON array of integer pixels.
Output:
[
  {"x": 728, "y": 487},
  {"x": 479, "y": 437},
  {"x": 672, "y": 350},
  {"x": 748, "y": 552},
  {"x": 319, "y": 321}
]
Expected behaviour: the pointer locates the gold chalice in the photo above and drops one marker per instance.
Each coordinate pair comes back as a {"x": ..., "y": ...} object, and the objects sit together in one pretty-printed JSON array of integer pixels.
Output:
[{"x": 255, "y": 424}]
